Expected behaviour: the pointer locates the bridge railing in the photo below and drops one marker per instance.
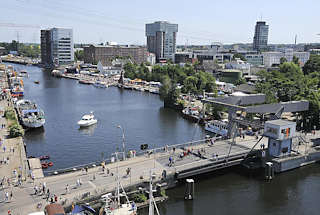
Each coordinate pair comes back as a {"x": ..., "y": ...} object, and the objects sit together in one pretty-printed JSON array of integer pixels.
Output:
[{"x": 139, "y": 153}]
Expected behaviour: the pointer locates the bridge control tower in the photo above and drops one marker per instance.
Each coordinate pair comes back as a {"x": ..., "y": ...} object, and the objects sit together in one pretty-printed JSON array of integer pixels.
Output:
[{"x": 280, "y": 134}]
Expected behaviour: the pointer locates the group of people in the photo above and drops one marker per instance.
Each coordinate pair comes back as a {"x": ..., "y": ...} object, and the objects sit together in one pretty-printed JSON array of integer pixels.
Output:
[{"x": 41, "y": 189}]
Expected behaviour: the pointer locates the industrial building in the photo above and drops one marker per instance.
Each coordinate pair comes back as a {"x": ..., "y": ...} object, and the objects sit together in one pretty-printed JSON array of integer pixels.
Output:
[{"x": 107, "y": 53}]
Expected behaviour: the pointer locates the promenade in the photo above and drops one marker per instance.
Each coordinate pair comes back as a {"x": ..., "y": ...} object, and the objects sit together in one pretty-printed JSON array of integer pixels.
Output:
[{"x": 96, "y": 182}]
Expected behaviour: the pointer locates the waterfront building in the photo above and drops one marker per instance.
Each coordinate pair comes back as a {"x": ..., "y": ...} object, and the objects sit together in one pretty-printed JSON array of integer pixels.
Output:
[
  {"x": 57, "y": 46},
  {"x": 273, "y": 58},
  {"x": 161, "y": 39},
  {"x": 260, "y": 39},
  {"x": 107, "y": 53}
]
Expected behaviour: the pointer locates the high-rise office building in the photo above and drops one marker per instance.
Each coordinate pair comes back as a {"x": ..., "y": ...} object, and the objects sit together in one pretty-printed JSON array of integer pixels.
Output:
[
  {"x": 260, "y": 39},
  {"x": 57, "y": 46},
  {"x": 161, "y": 39}
]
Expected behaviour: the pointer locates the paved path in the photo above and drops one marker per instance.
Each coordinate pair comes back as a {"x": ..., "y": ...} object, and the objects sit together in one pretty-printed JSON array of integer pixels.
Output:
[{"x": 25, "y": 200}]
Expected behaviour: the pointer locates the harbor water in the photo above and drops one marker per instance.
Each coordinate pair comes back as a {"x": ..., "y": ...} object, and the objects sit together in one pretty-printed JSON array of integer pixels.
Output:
[
  {"x": 65, "y": 101},
  {"x": 145, "y": 121}
]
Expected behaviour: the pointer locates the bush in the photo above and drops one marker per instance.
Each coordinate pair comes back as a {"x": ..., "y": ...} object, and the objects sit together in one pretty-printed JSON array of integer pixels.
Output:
[
  {"x": 15, "y": 130},
  {"x": 163, "y": 192},
  {"x": 138, "y": 198},
  {"x": 9, "y": 114}
]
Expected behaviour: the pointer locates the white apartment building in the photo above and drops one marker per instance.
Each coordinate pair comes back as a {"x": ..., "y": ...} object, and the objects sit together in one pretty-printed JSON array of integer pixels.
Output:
[{"x": 270, "y": 58}]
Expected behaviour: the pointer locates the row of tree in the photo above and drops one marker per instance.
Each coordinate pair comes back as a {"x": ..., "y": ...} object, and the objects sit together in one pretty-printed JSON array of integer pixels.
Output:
[
  {"x": 27, "y": 50},
  {"x": 291, "y": 82},
  {"x": 192, "y": 81}
]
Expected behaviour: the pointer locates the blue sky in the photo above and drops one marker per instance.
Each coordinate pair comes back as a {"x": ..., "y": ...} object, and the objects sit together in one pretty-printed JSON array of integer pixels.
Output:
[{"x": 200, "y": 21}]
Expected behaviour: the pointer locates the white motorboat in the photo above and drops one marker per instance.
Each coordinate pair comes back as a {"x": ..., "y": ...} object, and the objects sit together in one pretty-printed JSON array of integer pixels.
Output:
[{"x": 87, "y": 120}]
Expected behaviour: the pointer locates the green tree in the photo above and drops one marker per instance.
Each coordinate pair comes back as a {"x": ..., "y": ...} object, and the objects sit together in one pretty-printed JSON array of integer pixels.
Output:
[
  {"x": 190, "y": 85},
  {"x": 291, "y": 84},
  {"x": 79, "y": 55},
  {"x": 240, "y": 81},
  {"x": 312, "y": 65},
  {"x": 295, "y": 60},
  {"x": 283, "y": 60},
  {"x": 238, "y": 55}
]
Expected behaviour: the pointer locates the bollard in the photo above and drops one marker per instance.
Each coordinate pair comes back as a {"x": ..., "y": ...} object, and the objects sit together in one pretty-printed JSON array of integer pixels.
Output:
[
  {"x": 189, "y": 193},
  {"x": 269, "y": 171}
]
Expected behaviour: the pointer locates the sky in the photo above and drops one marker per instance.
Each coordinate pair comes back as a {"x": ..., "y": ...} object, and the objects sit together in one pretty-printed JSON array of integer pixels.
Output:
[{"x": 200, "y": 21}]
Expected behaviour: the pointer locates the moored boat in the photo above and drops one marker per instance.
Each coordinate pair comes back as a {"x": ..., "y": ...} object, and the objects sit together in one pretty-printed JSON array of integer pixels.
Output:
[
  {"x": 29, "y": 114},
  {"x": 217, "y": 127},
  {"x": 84, "y": 81},
  {"x": 100, "y": 84}
]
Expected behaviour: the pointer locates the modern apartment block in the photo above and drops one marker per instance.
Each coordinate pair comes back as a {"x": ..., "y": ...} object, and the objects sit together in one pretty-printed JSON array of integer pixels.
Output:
[
  {"x": 57, "y": 46},
  {"x": 271, "y": 58},
  {"x": 107, "y": 53},
  {"x": 161, "y": 39},
  {"x": 260, "y": 39}
]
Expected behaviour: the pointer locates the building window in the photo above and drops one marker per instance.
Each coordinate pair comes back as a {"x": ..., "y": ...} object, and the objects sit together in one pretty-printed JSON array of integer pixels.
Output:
[{"x": 272, "y": 130}]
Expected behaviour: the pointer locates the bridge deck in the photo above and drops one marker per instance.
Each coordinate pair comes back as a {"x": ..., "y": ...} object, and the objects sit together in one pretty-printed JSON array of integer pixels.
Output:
[{"x": 187, "y": 166}]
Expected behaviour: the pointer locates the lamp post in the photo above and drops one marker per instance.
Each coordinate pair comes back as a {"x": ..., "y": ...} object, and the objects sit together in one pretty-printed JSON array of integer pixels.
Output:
[{"x": 123, "y": 147}]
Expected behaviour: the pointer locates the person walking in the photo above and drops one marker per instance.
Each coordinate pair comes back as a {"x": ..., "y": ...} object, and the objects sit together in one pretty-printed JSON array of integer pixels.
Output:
[
  {"x": 6, "y": 196},
  {"x": 67, "y": 188},
  {"x": 43, "y": 189}
]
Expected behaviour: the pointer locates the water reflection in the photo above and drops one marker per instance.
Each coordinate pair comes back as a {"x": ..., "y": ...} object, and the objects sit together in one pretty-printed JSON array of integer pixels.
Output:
[
  {"x": 88, "y": 130},
  {"x": 36, "y": 134}
]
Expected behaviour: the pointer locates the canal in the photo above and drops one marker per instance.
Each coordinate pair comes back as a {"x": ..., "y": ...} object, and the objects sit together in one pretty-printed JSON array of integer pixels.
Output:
[
  {"x": 65, "y": 101},
  {"x": 146, "y": 121}
]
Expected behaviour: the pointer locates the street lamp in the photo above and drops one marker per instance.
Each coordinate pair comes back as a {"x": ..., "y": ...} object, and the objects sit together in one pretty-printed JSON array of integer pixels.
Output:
[{"x": 124, "y": 152}]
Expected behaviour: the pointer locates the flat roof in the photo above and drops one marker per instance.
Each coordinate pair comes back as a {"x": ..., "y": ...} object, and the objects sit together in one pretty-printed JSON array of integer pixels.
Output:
[{"x": 280, "y": 122}]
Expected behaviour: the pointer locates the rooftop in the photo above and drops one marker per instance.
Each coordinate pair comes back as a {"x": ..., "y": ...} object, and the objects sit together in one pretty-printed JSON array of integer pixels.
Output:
[{"x": 280, "y": 122}]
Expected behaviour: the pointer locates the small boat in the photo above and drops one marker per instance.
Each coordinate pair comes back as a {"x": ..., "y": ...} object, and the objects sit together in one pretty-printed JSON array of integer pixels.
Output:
[
  {"x": 37, "y": 82},
  {"x": 87, "y": 120},
  {"x": 83, "y": 81},
  {"x": 44, "y": 157},
  {"x": 56, "y": 73},
  {"x": 100, "y": 84},
  {"x": 50, "y": 163},
  {"x": 23, "y": 71}
]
